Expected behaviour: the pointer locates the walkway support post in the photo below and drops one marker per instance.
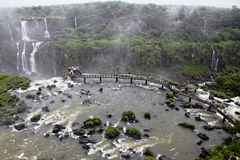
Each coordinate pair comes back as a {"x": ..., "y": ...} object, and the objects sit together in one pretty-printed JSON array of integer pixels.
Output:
[
  {"x": 131, "y": 80},
  {"x": 116, "y": 79},
  {"x": 100, "y": 78},
  {"x": 190, "y": 99},
  {"x": 84, "y": 79},
  {"x": 146, "y": 82}
]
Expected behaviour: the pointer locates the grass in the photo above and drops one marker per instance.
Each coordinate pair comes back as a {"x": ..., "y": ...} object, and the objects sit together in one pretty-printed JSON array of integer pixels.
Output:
[{"x": 10, "y": 105}]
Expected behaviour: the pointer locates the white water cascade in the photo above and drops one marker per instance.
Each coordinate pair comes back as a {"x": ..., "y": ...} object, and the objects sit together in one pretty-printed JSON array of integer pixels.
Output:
[
  {"x": 24, "y": 31},
  {"x": 46, "y": 33},
  {"x": 10, "y": 33},
  {"x": 54, "y": 62},
  {"x": 18, "y": 56},
  {"x": 215, "y": 59},
  {"x": 32, "y": 56},
  {"x": 75, "y": 22},
  {"x": 24, "y": 59},
  {"x": 205, "y": 24}
]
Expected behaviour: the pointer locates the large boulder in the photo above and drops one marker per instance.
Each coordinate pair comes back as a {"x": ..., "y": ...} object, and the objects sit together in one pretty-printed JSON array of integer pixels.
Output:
[{"x": 203, "y": 136}]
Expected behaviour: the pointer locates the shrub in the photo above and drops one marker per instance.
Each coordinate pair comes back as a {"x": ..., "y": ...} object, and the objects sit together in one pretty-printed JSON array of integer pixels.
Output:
[
  {"x": 173, "y": 83},
  {"x": 36, "y": 118},
  {"x": 218, "y": 94},
  {"x": 134, "y": 133},
  {"x": 170, "y": 102},
  {"x": 169, "y": 95},
  {"x": 79, "y": 132},
  {"x": 92, "y": 122},
  {"x": 147, "y": 115},
  {"x": 149, "y": 158},
  {"x": 187, "y": 125},
  {"x": 128, "y": 116},
  {"x": 111, "y": 132}
]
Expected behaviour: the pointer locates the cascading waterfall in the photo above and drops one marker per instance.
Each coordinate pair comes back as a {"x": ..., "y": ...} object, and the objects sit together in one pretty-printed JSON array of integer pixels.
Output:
[
  {"x": 24, "y": 31},
  {"x": 18, "y": 56},
  {"x": 205, "y": 24},
  {"x": 216, "y": 63},
  {"x": 75, "y": 22},
  {"x": 10, "y": 32},
  {"x": 215, "y": 59},
  {"x": 32, "y": 56},
  {"x": 24, "y": 59},
  {"x": 46, "y": 33},
  {"x": 54, "y": 62}
]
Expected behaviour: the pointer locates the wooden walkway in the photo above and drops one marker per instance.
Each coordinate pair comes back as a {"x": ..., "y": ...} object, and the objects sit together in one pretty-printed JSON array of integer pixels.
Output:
[{"x": 163, "y": 83}]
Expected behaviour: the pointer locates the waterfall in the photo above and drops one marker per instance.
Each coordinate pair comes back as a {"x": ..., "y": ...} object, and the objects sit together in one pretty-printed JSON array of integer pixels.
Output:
[
  {"x": 18, "y": 54},
  {"x": 75, "y": 22},
  {"x": 46, "y": 33},
  {"x": 24, "y": 59},
  {"x": 215, "y": 59},
  {"x": 216, "y": 63},
  {"x": 24, "y": 31},
  {"x": 54, "y": 62},
  {"x": 205, "y": 24},
  {"x": 10, "y": 32},
  {"x": 32, "y": 56}
]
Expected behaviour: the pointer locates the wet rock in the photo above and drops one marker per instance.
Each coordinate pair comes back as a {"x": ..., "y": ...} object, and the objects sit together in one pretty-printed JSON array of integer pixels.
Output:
[
  {"x": 100, "y": 130},
  {"x": 199, "y": 142},
  {"x": 30, "y": 96},
  {"x": 63, "y": 100},
  {"x": 91, "y": 132},
  {"x": 146, "y": 135},
  {"x": 87, "y": 102},
  {"x": 52, "y": 101},
  {"x": 208, "y": 127},
  {"x": 136, "y": 121},
  {"x": 147, "y": 130},
  {"x": 85, "y": 146},
  {"x": 100, "y": 90},
  {"x": 198, "y": 118},
  {"x": 38, "y": 93},
  {"x": 55, "y": 81},
  {"x": 109, "y": 116},
  {"x": 20, "y": 126},
  {"x": 125, "y": 156},
  {"x": 203, "y": 136},
  {"x": 187, "y": 114},
  {"x": 45, "y": 109},
  {"x": 204, "y": 154},
  {"x": 50, "y": 87},
  {"x": 85, "y": 92},
  {"x": 177, "y": 109},
  {"x": 163, "y": 157},
  {"x": 40, "y": 89},
  {"x": 167, "y": 110},
  {"x": 59, "y": 92},
  {"x": 85, "y": 140},
  {"x": 70, "y": 85},
  {"x": 57, "y": 128},
  {"x": 46, "y": 134},
  {"x": 237, "y": 112}
]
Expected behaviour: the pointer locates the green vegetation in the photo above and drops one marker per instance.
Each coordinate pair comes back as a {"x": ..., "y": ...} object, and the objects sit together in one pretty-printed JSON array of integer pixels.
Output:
[
  {"x": 148, "y": 152},
  {"x": 36, "y": 118},
  {"x": 147, "y": 115},
  {"x": 187, "y": 125},
  {"x": 134, "y": 133},
  {"x": 128, "y": 116},
  {"x": 170, "y": 102},
  {"x": 92, "y": 122},
  {"x": 169, "y": 95},
  {"x": 111, "y": 132},
  {"x": 149, "y": 158},
  {"x": 79, "y": 132},
  {"x": 223, "y": 152},
  {"x": 172, "y": 82},
  {"x": 10, "y": 105},
  {"x": 234, "y": 129},
  {"x": 198, "y": 105},
  {"x": 196, "y": 70}
]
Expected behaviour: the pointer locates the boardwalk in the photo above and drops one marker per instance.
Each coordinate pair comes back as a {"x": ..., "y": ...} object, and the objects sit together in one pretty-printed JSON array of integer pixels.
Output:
[{"x": 163, "y": 83}]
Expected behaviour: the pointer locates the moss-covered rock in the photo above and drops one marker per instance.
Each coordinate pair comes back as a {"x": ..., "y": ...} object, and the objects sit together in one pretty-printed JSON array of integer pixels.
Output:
[
  {"x": 150, "y": 158},
  {"x": 170, "y": 102},
  {"x": 169, "y": 95},
  {"x": 20, "y": 126},
  {"x": 36, "y": 118},
  {"x": 147, "y": 115},
  {"x": 79, "y": 132},
  {"x": 111, "y": 132},
  {"x": 148, "y": 152},
  {"x": 92, "y": 122},
  {"x": 128, "y": 116},
  {"x": 134, "y": 133},
  {"x": 187, "y": 125}
]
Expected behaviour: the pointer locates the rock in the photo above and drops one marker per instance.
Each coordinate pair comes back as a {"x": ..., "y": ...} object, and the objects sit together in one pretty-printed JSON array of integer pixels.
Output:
[
  {"x": 87, "y": 102},
  {"x": 40, "y": 89},
  {"x": 57, "y": 128},
  {"x": 199, "y": 142},
  {"x": 46, "y": 134},
  {"x": 208, "y": 127},
  {"x": 146, "y": 135},
  {"x": 20, "y": 126},
  {"x": 109, "y": 116},
  {"x": 125, "y": 156},
  {"x": 204, "y": 154},
  {"x": 63, "y": 100},
  {"x": 203, "y": 136},
  {"x": 70, "y": 85},
  {"x": 69, "y": 95},
  {"x": 84, "y": 92},
  {"x": 163, "y": 157},
  {"x": 187, "y": 114},
  {"x": 100, "y": 130},
  {"x": 45, "y": 109},
  {"x": 52, "y": 101},
  {"x": 198, "y": 118},
  {"x": 100, "y": 90},
  {"x": 55, "y": 81},
  {"x": 177, "y": 109},
  {"x": 84, "y": 140},
  {"x": 38, "y": 93},
  {"x": 167, "y": 110},
  {"x": 85, "y": 146},
  {"x": 237, "y": 112},
  {"x": 146, "y": 130}
]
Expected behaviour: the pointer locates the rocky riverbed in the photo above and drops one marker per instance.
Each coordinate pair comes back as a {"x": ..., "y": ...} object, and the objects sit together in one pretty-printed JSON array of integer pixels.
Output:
[{"x": 65, "y": 105}]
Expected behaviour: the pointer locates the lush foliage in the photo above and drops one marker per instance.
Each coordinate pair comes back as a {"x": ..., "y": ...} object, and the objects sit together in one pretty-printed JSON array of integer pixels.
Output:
[
  {"x": 128, "y": 116},
  {"x": 10, "y": 105},
  {"x": 170, "y": 102},
  {"x": 92, "y": 122},
  {"x": 111, "y": 132},
  {"x": 134, "y": 133}
]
